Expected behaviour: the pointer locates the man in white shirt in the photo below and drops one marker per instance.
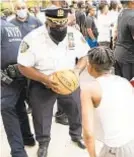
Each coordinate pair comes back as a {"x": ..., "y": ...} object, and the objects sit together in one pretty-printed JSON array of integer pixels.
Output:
[
  {"x": 51, "y": 48},
  {"x": 103, "y": 24},
  {"x": 107, "y": 108}
]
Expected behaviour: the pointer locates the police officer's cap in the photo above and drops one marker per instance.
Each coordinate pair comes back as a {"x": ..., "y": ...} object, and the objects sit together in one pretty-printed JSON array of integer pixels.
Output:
[{"x": 57, "y": 15}]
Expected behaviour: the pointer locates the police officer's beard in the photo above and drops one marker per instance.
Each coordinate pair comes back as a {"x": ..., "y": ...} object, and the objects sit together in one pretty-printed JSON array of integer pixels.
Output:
[{"x": 58, "y": 33}]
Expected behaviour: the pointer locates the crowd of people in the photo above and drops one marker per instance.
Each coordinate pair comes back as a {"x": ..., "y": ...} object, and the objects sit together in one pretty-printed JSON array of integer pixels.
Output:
[{"x": 36, "y": 42}]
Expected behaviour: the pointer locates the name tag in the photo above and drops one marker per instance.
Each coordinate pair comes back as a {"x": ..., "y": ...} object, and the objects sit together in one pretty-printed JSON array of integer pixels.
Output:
[{"x": 71, "y": 42}]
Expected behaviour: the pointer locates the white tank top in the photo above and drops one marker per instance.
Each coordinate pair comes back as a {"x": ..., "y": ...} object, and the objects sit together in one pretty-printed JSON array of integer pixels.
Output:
[{"x": 114, "y": 117}]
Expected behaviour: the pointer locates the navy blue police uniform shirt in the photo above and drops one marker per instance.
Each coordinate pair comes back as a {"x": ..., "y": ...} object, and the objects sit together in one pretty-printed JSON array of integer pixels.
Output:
[
  {"x": 10, "y": 41},
  {"x": 27, "y": 26}
]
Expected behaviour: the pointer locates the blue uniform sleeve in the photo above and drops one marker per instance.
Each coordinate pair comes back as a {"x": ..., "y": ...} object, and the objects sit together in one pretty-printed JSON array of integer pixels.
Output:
[
  {"x": 2, "y": 33},
  {"x": 39, "y": 23}
]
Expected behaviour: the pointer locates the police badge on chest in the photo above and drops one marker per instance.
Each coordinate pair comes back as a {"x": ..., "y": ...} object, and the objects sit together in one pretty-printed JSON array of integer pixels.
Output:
[{"x": 71, "y": 42}]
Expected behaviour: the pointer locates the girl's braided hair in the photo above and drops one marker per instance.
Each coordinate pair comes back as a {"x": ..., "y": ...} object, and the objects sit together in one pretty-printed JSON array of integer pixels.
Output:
[{"x": 101, "y": 58}]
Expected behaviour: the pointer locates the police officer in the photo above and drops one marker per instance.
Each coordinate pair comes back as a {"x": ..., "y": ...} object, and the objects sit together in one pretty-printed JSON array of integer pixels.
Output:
[
  {"x": 23, "y": 20},
  {"x": 10, "y": 89},
  {"x": 60, "y": 115},
  {"x": 26, "y": 24},
  {"x": 50, "y": 48}
]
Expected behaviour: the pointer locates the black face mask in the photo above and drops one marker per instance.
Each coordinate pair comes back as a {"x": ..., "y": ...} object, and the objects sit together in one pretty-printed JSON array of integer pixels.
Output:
[{"x": 58, "y": 33}]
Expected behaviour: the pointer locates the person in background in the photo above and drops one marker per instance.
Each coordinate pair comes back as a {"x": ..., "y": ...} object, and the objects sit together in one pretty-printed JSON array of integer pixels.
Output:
[
  {"x": 72, "y": 18},
  {"x": 31, "y": 11},
  {"x": 74, "y": 3},
  {"x": 107, "y": 107},
  {"x": 24, "y": 20},
  {"x": 113, "y": 15},
  {"x": 92, "y": 31},
  {"x": 104, "y": 24},
  {"x": 40, "y": 15},
  {"x": 9, "y": 15},
  {"x": 114, "y": 11},
  {"x": 124, "y": 50},
  {"x": 81, "y": 17}
]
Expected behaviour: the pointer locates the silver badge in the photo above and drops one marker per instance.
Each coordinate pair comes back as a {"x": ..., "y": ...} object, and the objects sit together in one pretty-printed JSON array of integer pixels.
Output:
[{"x": 71, "y": 43}]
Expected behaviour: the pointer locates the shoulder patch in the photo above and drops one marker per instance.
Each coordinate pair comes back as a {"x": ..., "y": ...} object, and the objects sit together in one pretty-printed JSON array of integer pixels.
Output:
[
  {"x": 24, "y": 47},
  {"x": 83, "y": 40}
]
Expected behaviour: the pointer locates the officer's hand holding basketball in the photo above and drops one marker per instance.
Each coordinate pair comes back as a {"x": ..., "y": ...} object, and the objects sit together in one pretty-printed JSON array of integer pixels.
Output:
[{"x": 50, "y": 83}]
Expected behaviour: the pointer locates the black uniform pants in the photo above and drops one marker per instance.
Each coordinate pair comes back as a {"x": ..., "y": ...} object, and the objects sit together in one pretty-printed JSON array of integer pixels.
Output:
[
  {"x": 9, "y": 97},
  {"x": 42, "y": 101},
  {"x": 125, "y": 70},
  {"x": 23, "y": 117}
]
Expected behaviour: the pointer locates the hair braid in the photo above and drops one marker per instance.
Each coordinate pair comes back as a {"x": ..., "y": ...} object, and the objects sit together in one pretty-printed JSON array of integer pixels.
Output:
[{"x": 102, "y": 58}]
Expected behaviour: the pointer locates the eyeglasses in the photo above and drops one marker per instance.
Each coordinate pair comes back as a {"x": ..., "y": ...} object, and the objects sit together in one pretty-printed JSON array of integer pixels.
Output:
[{"x": 19, "y": 8}]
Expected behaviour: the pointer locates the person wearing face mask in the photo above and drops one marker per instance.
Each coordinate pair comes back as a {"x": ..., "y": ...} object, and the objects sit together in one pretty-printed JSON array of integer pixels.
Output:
[
  {"x": 50, "y": 48},
  {"x": 24, "y": 20}
]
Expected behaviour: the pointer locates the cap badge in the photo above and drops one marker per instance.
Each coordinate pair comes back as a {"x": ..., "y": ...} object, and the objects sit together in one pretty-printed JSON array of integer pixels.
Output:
[{"x": 60, "y": 13}]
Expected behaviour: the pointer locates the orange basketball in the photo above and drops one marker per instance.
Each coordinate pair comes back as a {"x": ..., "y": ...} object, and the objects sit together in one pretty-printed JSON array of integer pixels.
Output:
[{"x": 67, "y": 80}]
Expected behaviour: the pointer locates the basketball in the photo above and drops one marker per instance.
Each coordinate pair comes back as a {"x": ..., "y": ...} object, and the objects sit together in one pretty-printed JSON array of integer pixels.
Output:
[{"x": 67, "y": 81}]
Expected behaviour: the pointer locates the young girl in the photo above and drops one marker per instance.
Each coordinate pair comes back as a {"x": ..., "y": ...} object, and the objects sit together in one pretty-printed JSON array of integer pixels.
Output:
[{"x": 107, "y": 108}]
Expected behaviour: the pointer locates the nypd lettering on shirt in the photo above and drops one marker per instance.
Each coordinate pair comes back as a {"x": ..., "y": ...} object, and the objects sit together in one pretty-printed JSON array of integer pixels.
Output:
[{"x": 13, "y": 34}]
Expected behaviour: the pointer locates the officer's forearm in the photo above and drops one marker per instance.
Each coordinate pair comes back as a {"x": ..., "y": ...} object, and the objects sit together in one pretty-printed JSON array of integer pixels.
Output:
[
  {"x": 81, "y": 64},
  {"x": 32, "y": 74}
]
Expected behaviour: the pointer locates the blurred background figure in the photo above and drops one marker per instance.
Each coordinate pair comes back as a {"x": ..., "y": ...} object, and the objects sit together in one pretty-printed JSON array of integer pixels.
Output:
[
  {"x": 72, "y": 18},
  {"x": 81, "y": 17},
  {"x": 104, "y": 23},
  {"x": 40, "y": 15},
  {"x": 124, "y": 50},
  {"x": 9, "y": 15},
  {"x": 92, "y": 31}
]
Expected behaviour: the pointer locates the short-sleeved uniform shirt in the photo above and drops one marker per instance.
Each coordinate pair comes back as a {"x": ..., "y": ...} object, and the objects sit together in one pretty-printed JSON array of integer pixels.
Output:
[
  {"x": 27, "y": 26},
  {"x": 39, "y": 51},
  {"x": 124, "y": 51}
]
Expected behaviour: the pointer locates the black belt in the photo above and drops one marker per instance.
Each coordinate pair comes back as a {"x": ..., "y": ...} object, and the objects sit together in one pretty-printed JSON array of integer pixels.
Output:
[{"x": 11, "y": 73}]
